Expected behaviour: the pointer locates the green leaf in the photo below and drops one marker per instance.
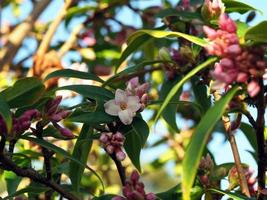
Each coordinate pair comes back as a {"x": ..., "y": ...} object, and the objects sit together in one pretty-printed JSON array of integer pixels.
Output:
[
  {"x": 257, "y": 33},
  {"x": 199, "y": 139},
  {"x": 90, "y": 91},
  {"x": 131, "y": 70},
  {"x": 169, "y": 113},
  {"x": 77, "y": 11},
  {"x": 61, "y": 151},
  {"x": 231, "y": 195},
  {"x": 167, "y": 34},
  {"x": 29, "y": 189},
  {"x": 25, "y": 92},
  {"x": 105, "y": 197},
  {"x": 237, "y": 6},
  {"x": 97, "y": 117},
  {"x": 180, "y": 83},
  {"x": 250, "y": 134},
  {"x": 5, "y": 113},
  {"x": 135, "y": 140},
  {"x": 132, "y": 46},
  {"x": 80, "y": 152},
  {"x": 12, "y": 181},
  {"x": 185, "y": 15},
  {"x": 70, "y": 73}
]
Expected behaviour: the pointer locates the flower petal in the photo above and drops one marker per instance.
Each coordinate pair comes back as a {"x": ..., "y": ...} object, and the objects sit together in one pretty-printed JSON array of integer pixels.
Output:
[
  {"x": 120, "y": 96},
  {"x": 126, "y": 116},
  {"x": 112, "y": 108},
  {"x": 133, "y": 103}
]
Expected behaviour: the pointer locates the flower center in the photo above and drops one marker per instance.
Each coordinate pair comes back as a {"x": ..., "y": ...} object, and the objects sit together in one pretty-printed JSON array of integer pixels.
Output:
[{"x": 123, "y": 105}]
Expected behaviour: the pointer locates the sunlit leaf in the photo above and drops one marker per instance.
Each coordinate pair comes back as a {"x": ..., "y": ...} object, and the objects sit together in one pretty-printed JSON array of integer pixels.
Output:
[
  {"x": 180, "y": 83},
  {"x": 257, "y": 33},
  {"x": 5, "y": 113},
  {"x": 202, "y": 132}
]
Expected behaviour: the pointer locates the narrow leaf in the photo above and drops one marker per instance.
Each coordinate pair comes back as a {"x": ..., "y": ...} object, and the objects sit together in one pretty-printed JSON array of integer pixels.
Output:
[
  {"x": 199, "y": 139},
  {"x": 180, "y": 83},
  {"x": 5, "y": 113},
  {"x": 70, "y": 73},
  {"x": 80, "y": 152}
]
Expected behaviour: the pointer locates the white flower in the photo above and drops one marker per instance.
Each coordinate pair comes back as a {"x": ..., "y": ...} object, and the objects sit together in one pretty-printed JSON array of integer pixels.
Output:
[{"x": 123, "y": 106}]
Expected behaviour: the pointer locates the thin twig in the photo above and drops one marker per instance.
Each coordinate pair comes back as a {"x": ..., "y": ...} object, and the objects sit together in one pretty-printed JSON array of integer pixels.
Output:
[
  {"x": 240, "y": 171},
  {"x": 7, "y": 164},
  {"x": 16, "y": 37},
  {"x": 120, "y": 168},
  {"x": 260, "y": 140},
  {"x": 52, "y": 28}
]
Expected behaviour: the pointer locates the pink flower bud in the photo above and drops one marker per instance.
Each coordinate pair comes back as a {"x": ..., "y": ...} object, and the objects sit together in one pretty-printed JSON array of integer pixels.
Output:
[
  {"x": 110, "y": 149},
  {"x": 104, "y": 138},
  {"x": 135, "y": 176},
  {"x": 118, "y": 198},
  {"x": 53, "y": 104},
  {"x": 56, "y": 117},
  {"x": 210, "y": 32},
  {"x": 66, "y": 133},
  {"x": 227, "y": 63},
  {"x": 118, "y": 136},
  {"x": 151, "y": 196},
  {"x": 242, "y": 77},
  {"x": 253, "y": 88},
  {"x": 233, "y": 50},
  {"x": 120, "y": 155},
  {"x": 145, "y": 99},
  {"x": 227, "y": 24}
]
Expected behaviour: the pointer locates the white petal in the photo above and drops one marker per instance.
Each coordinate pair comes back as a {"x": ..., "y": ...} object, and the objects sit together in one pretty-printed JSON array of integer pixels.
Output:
[
  {"x": 112, "y": 108},
  {"x": 126, "y": 116},
  {"x": 120, "y": 96},
  {"x": 133, "y": 103}
]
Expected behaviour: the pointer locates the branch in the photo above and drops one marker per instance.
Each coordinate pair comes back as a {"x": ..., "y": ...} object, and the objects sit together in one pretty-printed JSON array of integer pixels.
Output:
[
  {"x": 120, "y": 168},
  {"x": 9, "y": 165},
  {"x": 52, "y": 28},
  {"x": 241, "y": 175},
  {"x": 260, "y": 140},
  {"x": 17, "y": 36}
]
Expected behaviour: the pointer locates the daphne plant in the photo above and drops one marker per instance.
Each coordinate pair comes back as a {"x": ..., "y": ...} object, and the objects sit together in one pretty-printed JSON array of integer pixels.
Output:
[{"x": 116, "y": 112}]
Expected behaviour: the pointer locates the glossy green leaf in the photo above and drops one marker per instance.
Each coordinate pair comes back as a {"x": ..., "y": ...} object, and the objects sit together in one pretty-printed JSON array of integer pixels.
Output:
[
  {"x": 169, "y": 113},
  {"x": 97, "y": 117},
  {"x": 80, "y": 152},
  {"x": 167, "y": 34},
  {"x": 25, "y": 92},
  {"x": 60, "y": 151},
  {"x": 105, "y": 197},
  {"x": 131, "y": 70},
  {"x": 180, "y": 83},
  {"x": 237, "y": 6},
  {"x": 5, "y": 113},
  {"x": 135, "y": 140},
  {"x": 90, "y": 91},
  {"x": 257, "y": 33},
  {"x": 12, "y": 181},
  {"x": 199, "y": 139},
  {"x": 250, "y": 134},
  {"x": 29, "y": 189},
  {"x": 70, "y": 73},
  {"x": 132, "y": 46},
  {"x": 184, "y": 15},
  {"x": 231, "y": 195}
]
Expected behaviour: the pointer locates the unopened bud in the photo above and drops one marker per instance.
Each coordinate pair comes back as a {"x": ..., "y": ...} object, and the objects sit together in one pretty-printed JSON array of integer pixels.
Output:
[{"x": 120, "y": 155}]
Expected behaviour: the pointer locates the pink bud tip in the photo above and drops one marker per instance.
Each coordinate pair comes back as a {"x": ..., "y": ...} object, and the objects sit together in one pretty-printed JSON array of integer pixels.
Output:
[
  {"x": 227, "y": 24},
  {"x": 253, "y": 88},
  {"x": 120, "y": 155},
  {"x": 150, "y": 196},
  {"x": 66, "y": 133},
  {"x": 135, "y": 176}
]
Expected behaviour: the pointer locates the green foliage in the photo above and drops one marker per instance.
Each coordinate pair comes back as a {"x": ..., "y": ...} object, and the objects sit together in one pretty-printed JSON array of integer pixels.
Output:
[
  {"x": 203, "y": 130},
  {"x": 257, "y": 33}
]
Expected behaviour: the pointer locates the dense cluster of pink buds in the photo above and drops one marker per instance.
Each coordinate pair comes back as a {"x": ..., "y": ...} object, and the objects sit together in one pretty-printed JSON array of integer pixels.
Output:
[
  {"x": 135, "y": 190},
  {"x": 128, "y": 102},
  {"x": 54, "y": 114},
  {"x": 242, "y": 65},
  {"x": 234, "y": 180},
  {"x": 113, "y": 144},
  {"x": 20, "y": 124},
  {"x": 205, "y": 166}
]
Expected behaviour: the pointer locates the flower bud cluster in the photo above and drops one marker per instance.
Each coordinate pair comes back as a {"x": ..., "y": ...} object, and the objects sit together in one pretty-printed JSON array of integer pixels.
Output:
[
  {"x": 128, "y": 102},
  {"x": 234, "y": 179},
  {"x": 113, "y": 144},
  {"x": 20, "y": 124},
  {"x": 54, "y": 114},
  {"x": 206, "y": 166},
  {"x": 242, "y": 65},
  {"x": 134, "y": 88},
  {"x": 134, "y": 189}
]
